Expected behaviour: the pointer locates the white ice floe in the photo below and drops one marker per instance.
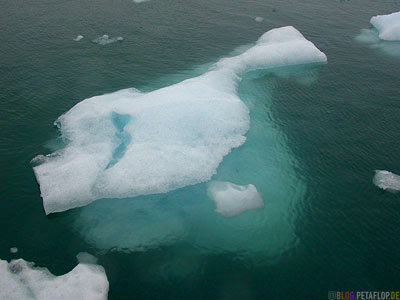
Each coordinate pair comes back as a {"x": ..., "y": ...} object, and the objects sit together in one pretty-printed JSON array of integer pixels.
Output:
[
  {"x": 259, "y": 19},
  {"x": 14, "y": 250},
  {"x": 20, "y": 280},
  {"x": 387, "y": 181},
  {"x": 232, "y": 200},
  {"x": 105, "y": 40},
  {"x": 130, "y": 143},
  {"x": 78, "y": 38},
  {"x": 388, "y": 26},
  {"x": 140, "y": 1}
]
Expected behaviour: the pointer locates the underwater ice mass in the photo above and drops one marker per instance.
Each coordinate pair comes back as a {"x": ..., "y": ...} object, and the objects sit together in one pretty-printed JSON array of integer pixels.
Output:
[
  {"x": 130, "y": 143},
  {"x": 20, "y": 280},
  {"x": 232, "y": 199}
]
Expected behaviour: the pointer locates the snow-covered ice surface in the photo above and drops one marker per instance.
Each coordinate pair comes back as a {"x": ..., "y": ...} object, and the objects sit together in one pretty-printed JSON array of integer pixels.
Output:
[
  {"x": 129, "y": 143},
  {"x": 105, "y": 40},
  {"x": 387, "y": 181},
  {"x": 20, "y": 280},
  {"x": 384, "y": 34},
  {"x": 232, "y": 199}
]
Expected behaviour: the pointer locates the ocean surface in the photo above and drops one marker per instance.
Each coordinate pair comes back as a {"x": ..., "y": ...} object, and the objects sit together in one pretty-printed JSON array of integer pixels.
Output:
[{"x": 317, "y": 135}]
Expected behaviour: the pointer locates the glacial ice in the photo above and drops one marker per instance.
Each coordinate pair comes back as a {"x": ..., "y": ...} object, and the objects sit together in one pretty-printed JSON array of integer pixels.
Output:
[
  {"x": 185, "y": 215},
  {"x": 388, "y": 26},
  {"x": 387, "y": 181},
  {"x": 259, "y": 19},
  {"x": 20, "y": 280},
  {"x": 384, "y": 35},
  {"x": 13, "y": 250},
  {"x": 105, "y": 40},
  {"x": 129, "y": 143},
  {"x": 232, "y": 200}
]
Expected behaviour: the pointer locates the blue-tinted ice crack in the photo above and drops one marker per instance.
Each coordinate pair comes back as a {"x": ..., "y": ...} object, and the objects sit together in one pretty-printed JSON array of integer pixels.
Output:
[{"x": 119, "y": 121}]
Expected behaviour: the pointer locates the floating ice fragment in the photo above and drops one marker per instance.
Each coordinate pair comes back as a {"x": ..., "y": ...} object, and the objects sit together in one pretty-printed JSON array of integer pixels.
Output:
[
  {"x": 14, "y": 250},
  {"x": 232, "y": 200},
  {"x": 78, "y": 38},
  {"x": 105, "y": 39},
  {"x": 140, "y": 1},
  {"x": 20, "y": 280},
  {"x": 129, "y": 143},
  {"x": 387, "y": 181},
  {"x": 384, "y": 35},
  {"x": 388, "y": 26},
  {"x": 86, "y": 258},
  {"x": 259, "y": 19}
]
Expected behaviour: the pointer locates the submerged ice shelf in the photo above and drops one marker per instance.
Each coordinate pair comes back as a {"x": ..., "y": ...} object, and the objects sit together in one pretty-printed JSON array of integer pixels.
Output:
[
  {"x": 20, "y": 280},
  {"x": 129, "y": 143}
]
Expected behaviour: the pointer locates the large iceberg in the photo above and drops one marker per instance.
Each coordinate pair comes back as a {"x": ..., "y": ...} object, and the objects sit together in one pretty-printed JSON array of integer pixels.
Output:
[
  {"x": 130, "y": 143},
  {"x": 387, "y": 181},
  {"x": 20, "y": 280}
]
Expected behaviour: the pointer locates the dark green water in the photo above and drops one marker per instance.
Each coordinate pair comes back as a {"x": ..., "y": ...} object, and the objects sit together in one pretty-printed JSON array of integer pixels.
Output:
[{"x": 339, "y": 129}]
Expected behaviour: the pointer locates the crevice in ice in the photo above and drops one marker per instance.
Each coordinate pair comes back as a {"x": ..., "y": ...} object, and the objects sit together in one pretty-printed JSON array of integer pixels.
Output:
[{"x": 124, "y": 138}]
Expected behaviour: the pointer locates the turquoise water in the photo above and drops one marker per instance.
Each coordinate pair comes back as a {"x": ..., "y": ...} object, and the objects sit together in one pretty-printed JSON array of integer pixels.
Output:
[{"x": 317, "y": 134}]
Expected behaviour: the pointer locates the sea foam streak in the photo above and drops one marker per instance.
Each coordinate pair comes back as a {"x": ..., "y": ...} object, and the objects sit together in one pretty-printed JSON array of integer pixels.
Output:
[{"x": 130, "y": 143}]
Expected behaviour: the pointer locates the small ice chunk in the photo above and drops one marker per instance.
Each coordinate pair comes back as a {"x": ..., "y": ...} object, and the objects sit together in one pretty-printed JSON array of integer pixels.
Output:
[
  {"x": 259, "y": 19},
  {"x": 14, "y": 250},
  {"x": 78, "y": 38},
  {"x": 20, "y": 280},
  {"x": 387, "y": 181},
  {"x": 140, "y": 1},
  {"x": 86, "y": 258},
  {"x": 388, "y": 26},
  {"x": 384, "y": 34},
  {"x": 232, "y": 200},
  {"x": 105, "y": 40}
]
